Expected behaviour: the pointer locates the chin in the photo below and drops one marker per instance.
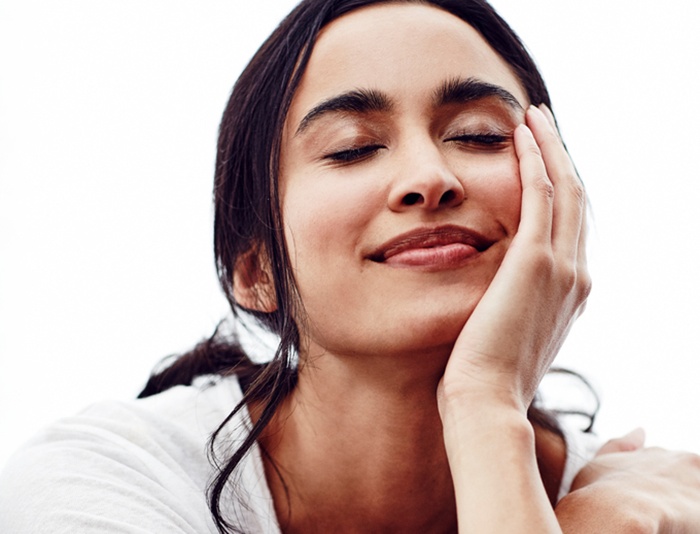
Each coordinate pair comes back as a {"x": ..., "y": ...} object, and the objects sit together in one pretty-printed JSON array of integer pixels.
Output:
[
  {"x": 422, "y": 321},
  {"x": 425, "y": 333}
]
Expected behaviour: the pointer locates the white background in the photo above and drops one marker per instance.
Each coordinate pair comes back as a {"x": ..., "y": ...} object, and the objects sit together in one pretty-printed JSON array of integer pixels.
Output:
[{"x": 108, "y": 119}]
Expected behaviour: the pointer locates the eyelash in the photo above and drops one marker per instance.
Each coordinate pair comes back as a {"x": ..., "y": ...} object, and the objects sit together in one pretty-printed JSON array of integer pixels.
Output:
[
  {"x": 351, "y": 155},
  {"x": 482, "y": 141}
]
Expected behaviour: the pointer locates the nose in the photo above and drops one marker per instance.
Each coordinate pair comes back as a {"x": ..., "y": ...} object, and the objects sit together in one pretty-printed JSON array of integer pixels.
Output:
[{"x": 425, "y": 182}]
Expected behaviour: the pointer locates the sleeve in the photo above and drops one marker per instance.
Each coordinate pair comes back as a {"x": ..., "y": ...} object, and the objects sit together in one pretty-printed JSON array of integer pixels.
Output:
[
  {"x": 101, "y": 475},
  {"x": 581, "y": 447}
]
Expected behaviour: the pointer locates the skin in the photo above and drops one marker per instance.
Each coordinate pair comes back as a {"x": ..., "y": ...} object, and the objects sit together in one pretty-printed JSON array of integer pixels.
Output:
[
  {"x": 378, "y": 390},
  {"x": 416, "y": 372},
  {"x": 357, "y": 207}
]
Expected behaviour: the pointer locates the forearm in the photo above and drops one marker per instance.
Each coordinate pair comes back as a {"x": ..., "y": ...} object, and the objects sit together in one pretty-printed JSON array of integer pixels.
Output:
[{"x": 494, "y": 468}]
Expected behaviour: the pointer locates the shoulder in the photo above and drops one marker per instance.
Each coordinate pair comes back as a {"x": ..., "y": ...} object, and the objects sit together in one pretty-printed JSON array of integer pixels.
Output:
[{"x": 136, "y": 466}]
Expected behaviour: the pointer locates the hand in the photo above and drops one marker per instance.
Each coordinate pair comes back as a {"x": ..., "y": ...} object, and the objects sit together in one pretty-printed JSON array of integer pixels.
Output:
[
  {"x": 510, "y": 340},
  {"x": 630, "y": 489}
]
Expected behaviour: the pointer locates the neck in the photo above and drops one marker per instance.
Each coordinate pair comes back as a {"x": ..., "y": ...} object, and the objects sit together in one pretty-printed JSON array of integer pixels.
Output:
[{"x": 359, "y": 446}]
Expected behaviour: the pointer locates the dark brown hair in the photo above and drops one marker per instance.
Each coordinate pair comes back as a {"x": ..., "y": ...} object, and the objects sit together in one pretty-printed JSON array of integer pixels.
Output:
[{"x": 247, "y": 206}]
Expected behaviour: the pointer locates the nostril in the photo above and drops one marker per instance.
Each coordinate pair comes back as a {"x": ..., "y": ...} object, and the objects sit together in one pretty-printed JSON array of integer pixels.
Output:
[
  {"x": 447, "y": 197},
  {"x": 412, "y": 198}
]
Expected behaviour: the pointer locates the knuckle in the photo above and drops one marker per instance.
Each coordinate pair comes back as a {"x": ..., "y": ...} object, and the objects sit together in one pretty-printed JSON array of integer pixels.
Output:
[
  {"x": 569, "y": 278},
  {"x": 584, "y": 285},
  {"x": 575, "y": 282},
  {"x": 545, "y": 187},
  {"x": 578, "y": 192},
  {"x": 533, "y": 150},
  {"x": 543, "y": 261}
]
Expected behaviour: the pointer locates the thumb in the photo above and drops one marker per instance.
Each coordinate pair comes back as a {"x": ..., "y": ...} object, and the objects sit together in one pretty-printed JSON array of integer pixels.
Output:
[{"x": 627, "y": 443}]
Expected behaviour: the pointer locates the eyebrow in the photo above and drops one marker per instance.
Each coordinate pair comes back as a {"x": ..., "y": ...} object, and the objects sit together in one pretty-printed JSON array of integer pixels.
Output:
[
  {"x": 463, "y": 91},
  {"x": 357, "y": 101},
  {"x": 453, "y": 91}
]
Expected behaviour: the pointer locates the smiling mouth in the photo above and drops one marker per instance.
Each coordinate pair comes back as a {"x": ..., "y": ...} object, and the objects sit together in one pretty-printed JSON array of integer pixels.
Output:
[{"x": 441, "y": 247}]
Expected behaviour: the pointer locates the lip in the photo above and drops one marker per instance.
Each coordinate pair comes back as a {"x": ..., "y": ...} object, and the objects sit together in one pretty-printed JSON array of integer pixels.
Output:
[{"x": 437, "y": 247}]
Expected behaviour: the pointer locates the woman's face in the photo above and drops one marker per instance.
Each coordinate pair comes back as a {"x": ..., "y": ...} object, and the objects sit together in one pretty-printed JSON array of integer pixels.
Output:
[{"x": 399, "y": 181}]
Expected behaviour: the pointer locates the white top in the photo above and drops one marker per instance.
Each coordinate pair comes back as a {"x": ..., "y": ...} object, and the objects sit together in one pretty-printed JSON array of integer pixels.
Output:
[{"x": 141, "y": 466}]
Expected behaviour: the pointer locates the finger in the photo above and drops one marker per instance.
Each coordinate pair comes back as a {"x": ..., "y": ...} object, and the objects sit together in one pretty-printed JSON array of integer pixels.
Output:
[
  {"x": 583, "y": 277},
  {"x": 581, "y": 256},
  {"x": 630, "y": 442},
  {"x": 583, "y": 237},
  {"x": 550, "y": 118},
  {"x": 538, "y": 192},
  {"x": 569, "y": 197}
]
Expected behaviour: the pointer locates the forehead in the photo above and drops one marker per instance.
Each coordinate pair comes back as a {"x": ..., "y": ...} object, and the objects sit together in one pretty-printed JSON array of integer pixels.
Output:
[{"x": 402, "y": 49}]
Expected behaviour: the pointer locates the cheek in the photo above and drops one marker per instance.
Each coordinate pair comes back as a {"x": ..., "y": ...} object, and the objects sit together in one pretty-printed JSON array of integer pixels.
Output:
[
  {"x": 322, "y": 213},
  {"x": 321, "y": 235},
  {"x": 325, "y": 222},
  {"x": 495, "y": 187}
]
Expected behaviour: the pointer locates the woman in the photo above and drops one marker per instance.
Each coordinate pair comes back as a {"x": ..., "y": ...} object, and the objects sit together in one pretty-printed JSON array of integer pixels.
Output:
[{"x": 392, "y": 203}]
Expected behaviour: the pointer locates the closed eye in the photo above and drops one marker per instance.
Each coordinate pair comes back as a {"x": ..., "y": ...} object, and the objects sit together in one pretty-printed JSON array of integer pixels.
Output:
[
  {"x": 480, "y": 141},
  {"x": 352, "y": 155}
]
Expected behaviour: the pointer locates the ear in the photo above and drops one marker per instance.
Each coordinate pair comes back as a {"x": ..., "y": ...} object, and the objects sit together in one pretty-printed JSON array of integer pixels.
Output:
[{"x": 253, "y": 286}]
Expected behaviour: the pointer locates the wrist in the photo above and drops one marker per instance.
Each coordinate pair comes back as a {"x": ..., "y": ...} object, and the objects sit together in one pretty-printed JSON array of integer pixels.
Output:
[
  {"x": 479, "y": 404},
  {"x": 473, "y": 425}
]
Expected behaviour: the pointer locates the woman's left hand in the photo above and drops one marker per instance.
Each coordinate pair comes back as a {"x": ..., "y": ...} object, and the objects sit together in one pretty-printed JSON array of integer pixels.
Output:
[{"x": 511, "y": 338}]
